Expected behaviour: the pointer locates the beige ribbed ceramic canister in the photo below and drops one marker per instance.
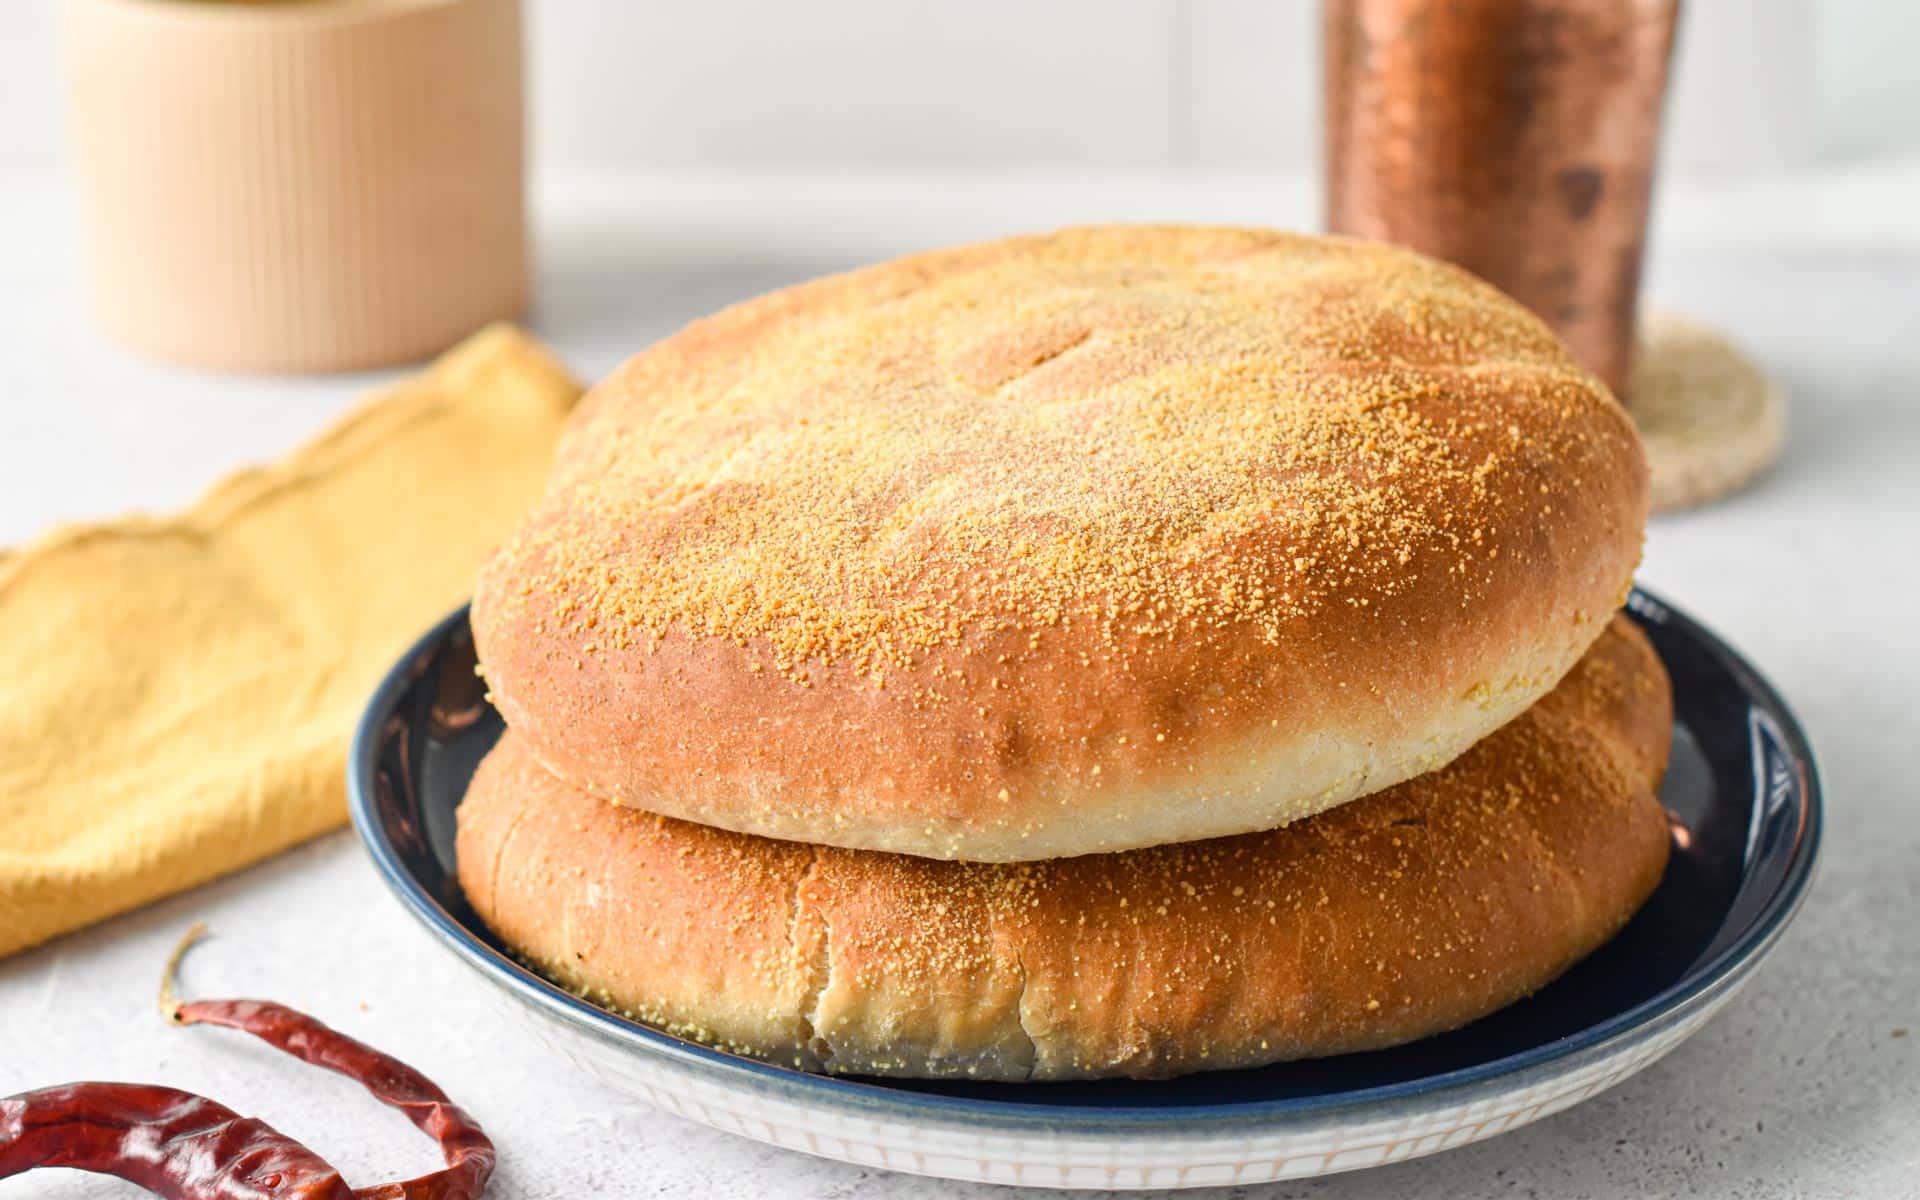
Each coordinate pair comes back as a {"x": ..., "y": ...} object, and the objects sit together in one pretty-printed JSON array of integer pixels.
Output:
[{"x": 299, "y": 186}]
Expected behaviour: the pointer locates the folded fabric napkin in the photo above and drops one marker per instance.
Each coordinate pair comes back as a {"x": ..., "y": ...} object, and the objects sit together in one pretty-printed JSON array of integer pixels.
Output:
[{"x": 176, "y": 694}]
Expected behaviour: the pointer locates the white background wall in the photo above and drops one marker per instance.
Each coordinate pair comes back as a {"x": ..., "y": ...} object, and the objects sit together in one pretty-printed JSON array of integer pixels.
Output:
[{"x": 1760, "y": 84}]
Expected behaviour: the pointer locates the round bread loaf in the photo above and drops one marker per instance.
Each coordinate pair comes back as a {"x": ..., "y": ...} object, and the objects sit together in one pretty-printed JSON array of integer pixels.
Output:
[
  {"x": 1410, "y": 912},
  {"x": 1065, "y": 544}
]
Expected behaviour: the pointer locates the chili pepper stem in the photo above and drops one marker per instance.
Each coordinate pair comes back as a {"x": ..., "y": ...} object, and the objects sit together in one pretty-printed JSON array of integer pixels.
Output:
[{"x": 169, "y": 1003}]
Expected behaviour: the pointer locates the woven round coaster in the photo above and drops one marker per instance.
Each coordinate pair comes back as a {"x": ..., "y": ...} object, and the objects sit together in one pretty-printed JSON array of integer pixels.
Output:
[{"x": 1710, "y": 420}]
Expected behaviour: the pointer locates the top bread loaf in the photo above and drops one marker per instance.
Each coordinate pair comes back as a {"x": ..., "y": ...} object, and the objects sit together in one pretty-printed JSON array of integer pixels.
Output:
[{"x": 1064, "y": 544}]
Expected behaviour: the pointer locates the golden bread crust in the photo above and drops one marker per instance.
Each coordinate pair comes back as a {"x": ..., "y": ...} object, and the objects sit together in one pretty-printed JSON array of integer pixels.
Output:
[
  {"x": 1409, "y": 912},
  {"x": 1067, "y": 544}
]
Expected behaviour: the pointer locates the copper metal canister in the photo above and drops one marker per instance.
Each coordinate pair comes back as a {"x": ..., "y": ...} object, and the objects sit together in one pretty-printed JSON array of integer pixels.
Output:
[{"x": 1513, "y": 137}]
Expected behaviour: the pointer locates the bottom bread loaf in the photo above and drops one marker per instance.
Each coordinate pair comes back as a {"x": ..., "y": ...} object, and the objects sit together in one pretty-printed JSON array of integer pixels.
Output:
[{"x": 1400, "y": 915}]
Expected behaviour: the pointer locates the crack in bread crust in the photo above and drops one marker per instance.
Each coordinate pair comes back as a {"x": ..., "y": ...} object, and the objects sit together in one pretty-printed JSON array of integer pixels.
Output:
[{"x": 816, "y": 967}]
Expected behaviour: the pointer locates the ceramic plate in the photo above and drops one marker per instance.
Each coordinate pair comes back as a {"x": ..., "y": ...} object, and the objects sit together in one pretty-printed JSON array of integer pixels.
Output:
[{"x": 1745, "y": 811}]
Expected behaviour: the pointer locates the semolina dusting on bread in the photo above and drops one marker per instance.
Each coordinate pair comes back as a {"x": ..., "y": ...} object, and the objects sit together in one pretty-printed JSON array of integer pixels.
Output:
[
  {"x": 1410, "y": 912},
  {"x": 1066, "y": 544}
]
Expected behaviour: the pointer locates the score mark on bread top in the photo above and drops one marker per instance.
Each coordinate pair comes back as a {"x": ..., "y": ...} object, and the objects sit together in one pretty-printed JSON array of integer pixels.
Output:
[{"x": 1056, "y": 545}]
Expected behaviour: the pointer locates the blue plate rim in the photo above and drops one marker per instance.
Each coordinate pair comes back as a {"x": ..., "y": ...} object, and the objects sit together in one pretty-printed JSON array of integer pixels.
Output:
[{"x": 1720, "y": 970}]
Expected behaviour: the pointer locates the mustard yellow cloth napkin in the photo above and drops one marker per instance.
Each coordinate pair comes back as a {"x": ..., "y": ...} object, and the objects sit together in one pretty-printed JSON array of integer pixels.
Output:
[{"x": 176, "y": 694}]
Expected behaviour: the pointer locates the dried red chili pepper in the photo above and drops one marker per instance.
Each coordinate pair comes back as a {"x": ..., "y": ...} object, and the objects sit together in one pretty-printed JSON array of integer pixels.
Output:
[
  {"x": 172, "y": 1143},
  {"x": 187, "y": 1147}
]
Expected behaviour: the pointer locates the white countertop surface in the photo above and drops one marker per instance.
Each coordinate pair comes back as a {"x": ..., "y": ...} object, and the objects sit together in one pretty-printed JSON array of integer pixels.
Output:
[{"x": 1807, "y": 1085}]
